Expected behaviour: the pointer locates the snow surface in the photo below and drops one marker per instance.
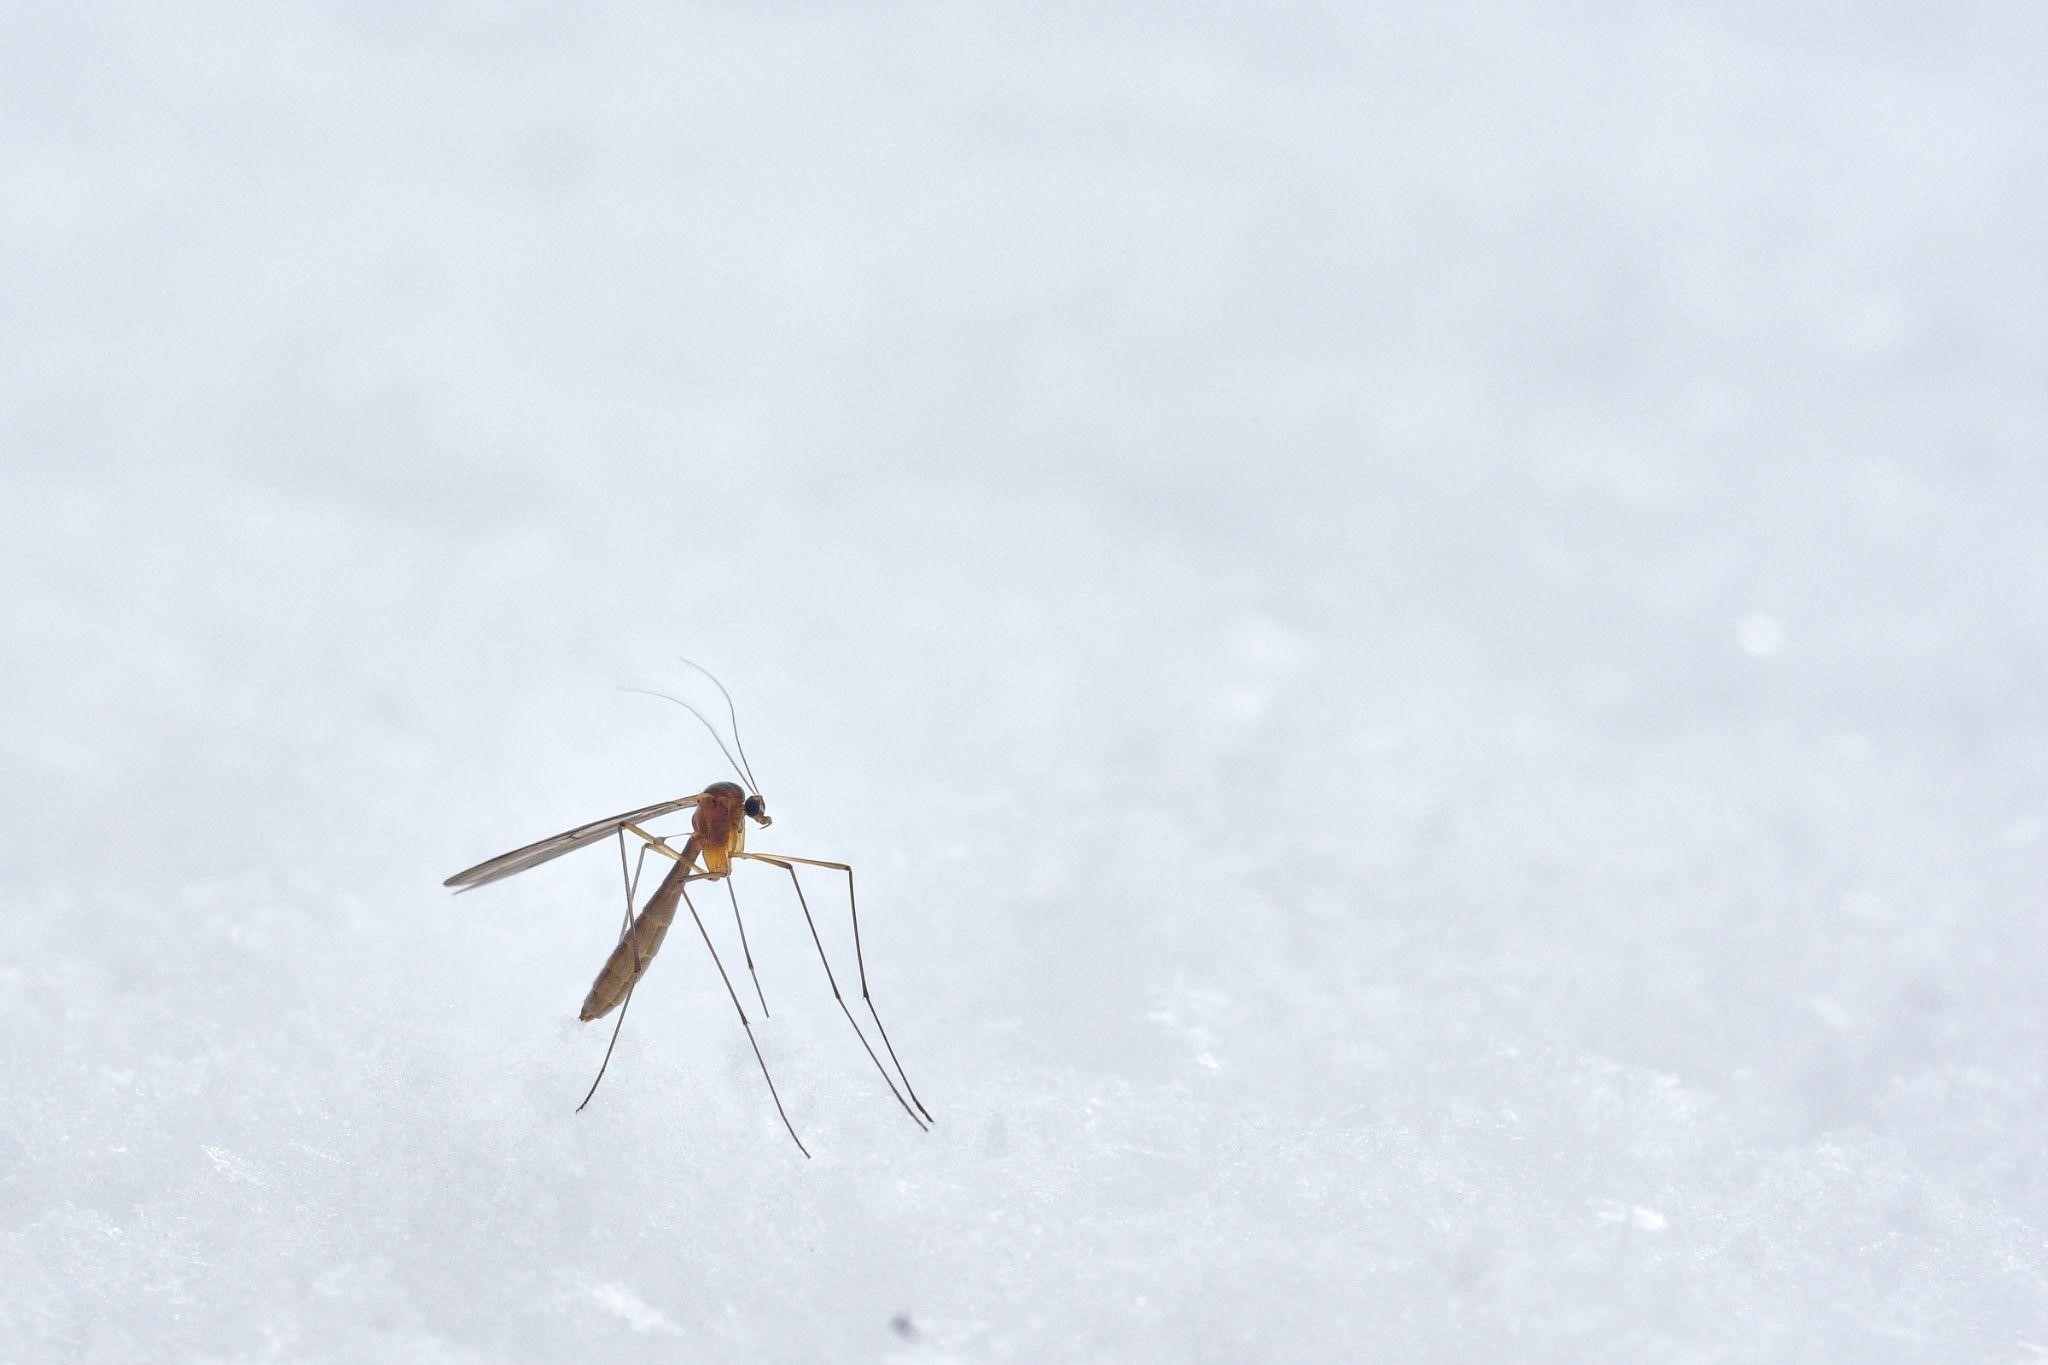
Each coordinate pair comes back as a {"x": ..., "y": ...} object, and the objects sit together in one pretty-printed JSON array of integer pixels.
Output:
[{"x": 1427, "y": 625}]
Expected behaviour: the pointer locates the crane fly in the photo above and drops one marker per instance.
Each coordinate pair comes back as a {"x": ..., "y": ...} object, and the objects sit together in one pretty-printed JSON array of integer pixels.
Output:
[{"x": 718, "y": 838}]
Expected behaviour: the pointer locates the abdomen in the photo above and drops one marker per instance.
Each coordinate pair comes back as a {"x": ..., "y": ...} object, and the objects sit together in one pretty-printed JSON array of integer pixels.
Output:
[{"x": 629, "y": 960}]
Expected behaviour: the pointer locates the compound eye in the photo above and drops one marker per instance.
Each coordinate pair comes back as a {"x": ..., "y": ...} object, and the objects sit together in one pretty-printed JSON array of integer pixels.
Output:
[{"x": 756, "y": 807}]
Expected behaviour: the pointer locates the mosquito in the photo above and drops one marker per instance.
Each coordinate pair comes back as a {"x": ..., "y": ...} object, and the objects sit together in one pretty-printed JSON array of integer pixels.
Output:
[{"x": 718, "y": 837}]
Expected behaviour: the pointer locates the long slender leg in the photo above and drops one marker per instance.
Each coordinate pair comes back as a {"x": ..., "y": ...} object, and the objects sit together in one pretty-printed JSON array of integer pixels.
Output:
[
  {"x": 741, "y": 1009},
  {"x": 624, "y": 1005},
  {"x": 631, "y": 884},
  {"x": 745, "y": 951},
  {"x": 837, "y": 998},
  {"x": 853, "y": 905}
]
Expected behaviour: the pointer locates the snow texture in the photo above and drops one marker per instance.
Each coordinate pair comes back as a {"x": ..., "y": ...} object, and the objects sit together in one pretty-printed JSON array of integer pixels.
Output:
[{"x": 1426, "y": 625}]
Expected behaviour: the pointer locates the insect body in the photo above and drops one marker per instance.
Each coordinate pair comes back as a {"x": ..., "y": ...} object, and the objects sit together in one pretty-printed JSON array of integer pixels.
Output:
[
  {"x": 718, "y": 834},
  {"x": 719, "y": 816}
]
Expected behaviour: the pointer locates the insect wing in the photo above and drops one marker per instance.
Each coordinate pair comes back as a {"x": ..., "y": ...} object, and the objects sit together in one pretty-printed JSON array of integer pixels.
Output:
[{"x": 546, "y": 850}]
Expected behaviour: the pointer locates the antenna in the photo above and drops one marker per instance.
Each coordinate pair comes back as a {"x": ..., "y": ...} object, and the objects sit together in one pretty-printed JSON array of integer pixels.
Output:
[
  {"x": 732, "y": 714},
  {"x": 706, "y": 723}
]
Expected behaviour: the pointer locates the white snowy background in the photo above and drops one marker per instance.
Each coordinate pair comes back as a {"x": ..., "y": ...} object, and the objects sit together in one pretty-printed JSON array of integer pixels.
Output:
[{"x": 1428, "y": 625}]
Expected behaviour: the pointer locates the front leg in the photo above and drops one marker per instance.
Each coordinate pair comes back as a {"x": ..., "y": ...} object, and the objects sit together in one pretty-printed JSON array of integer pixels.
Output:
[
  {"x": 860, "y": 961},
  {"x": 833, "y": 981}
]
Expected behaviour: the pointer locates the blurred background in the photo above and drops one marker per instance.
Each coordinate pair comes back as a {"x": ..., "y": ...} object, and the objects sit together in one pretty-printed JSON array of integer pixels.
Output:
[{"x": 1426, "y": 626}]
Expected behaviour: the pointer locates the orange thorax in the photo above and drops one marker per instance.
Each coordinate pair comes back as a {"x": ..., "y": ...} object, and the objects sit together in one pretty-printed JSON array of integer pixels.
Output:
[{"x": 719, "y": 827}]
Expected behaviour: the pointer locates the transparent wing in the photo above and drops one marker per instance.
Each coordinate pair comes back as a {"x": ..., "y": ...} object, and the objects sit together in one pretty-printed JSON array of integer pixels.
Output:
[{"x": 545, "y": 850}]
